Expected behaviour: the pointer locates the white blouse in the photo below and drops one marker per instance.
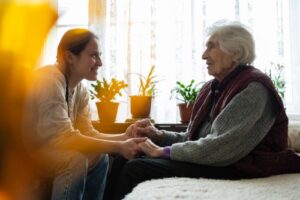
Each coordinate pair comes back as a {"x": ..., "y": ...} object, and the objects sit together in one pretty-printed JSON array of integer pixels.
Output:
[{"x": 49, "y": 115}]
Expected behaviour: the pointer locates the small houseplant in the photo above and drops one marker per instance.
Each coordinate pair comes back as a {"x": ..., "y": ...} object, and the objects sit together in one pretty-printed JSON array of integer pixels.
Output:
[
  {"x": 106, "y": 92},
  {"x": 186, "y": 93},
  {"x": 140, "y": 104},
  {"x": 277, "y": 78}
]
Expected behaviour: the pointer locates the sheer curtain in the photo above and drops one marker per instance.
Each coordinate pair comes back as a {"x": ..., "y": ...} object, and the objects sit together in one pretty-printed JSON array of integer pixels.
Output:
[
  {"x": 141, "y": 33},
  {"x": 135, "y": 34}
]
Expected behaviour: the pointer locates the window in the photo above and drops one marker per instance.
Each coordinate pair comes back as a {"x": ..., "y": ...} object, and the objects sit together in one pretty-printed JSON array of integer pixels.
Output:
[
  {"x": 134, "y": 34},
  {"x": 71, "y": 15}
]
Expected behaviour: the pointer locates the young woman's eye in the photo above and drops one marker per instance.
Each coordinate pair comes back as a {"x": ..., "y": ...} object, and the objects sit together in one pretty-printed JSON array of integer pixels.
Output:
[{"x": 95, "y": 55}]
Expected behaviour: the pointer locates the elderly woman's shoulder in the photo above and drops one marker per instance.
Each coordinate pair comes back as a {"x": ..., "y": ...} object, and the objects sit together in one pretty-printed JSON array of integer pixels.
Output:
[
  {"x": 256, "y": 85},
  {"x": 258, "y": 89}
]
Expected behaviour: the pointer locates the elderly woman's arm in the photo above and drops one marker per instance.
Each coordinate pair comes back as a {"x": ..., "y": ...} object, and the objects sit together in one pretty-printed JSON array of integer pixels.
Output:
[{"x": 242, "y": 124}]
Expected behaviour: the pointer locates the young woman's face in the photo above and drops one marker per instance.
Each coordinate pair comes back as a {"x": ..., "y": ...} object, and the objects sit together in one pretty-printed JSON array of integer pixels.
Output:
[
  {"x": 219, "y": 63},
  {"x": 86, "y": 64}
]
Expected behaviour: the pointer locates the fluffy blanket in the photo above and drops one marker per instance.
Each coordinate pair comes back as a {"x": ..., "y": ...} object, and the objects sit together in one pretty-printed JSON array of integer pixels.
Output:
[{"x": 280, "y": 187}]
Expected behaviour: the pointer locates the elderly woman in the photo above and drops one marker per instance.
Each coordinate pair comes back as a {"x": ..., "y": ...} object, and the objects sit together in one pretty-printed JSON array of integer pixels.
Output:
[{"x": 238, "y": 127}]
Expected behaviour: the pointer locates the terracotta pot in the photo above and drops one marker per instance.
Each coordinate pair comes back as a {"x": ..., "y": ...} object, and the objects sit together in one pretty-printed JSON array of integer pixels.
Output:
[
  {"x": 140, "y": 106},
  {"x": 185, "y": 112},
  {"x": 107, "y": 111}
]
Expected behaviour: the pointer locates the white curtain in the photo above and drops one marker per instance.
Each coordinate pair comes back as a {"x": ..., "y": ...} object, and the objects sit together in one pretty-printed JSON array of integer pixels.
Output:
[
  {"x": 171, "y": 34},
  {"x": 135, "y": 34},
  {"x": 142, "y": 33}
]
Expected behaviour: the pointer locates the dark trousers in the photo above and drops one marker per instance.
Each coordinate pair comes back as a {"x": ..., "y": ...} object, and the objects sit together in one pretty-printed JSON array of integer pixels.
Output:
[{"x": 125, "y": 175}]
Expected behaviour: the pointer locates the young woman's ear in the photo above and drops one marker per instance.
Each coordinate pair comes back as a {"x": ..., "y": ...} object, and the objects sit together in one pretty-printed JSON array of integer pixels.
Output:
[{"x": 69, "y": 57}]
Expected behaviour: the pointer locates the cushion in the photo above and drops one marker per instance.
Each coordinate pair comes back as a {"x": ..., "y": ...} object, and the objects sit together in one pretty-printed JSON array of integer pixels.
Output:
[{"x": 286, "y": 186}]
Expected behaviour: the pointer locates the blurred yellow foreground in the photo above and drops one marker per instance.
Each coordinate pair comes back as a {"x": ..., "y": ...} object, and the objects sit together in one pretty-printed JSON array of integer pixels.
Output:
[{"x": 24, "y": 25}]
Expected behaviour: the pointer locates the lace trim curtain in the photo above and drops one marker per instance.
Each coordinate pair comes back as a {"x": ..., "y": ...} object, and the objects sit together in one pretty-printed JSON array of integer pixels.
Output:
[{"x": 171, "y": 34}]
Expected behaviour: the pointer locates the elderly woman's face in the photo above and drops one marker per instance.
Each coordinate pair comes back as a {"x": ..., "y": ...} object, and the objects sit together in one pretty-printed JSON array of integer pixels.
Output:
[{"x": 219, "y": 63}]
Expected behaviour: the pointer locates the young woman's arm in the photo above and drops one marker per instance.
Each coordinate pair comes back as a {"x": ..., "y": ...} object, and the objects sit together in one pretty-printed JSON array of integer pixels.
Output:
[{"x": 76, "y": 141}]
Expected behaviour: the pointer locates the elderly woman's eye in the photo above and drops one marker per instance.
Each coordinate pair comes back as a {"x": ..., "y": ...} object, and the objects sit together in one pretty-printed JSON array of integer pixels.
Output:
[{"x": 210, "y": 46}]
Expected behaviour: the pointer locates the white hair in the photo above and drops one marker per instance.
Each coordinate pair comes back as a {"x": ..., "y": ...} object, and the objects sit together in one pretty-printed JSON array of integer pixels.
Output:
[{"x": 236, "y": 40}]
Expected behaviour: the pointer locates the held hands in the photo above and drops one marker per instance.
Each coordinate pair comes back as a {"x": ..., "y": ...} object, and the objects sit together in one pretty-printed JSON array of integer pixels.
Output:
[
  {"x": 131, "y": 131},
  {"x": 130, "y": 147},
  {"x": 151, "y": 149},
  {"x": 143, "y": 128}
]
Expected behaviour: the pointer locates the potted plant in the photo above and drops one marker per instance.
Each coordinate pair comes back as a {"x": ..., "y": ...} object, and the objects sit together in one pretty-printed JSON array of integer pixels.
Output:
[
  {"x": 187, "y": 95},
  {"x": 106, "y": 93},
  {"x": 140, "y": 104},
  {"x": 277, "y": 78}
]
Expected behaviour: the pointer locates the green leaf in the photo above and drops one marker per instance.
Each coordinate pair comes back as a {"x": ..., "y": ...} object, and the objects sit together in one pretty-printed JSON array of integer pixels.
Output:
[
  {"x": 186, "y": 93},
  {"x": 107, "y": 91},
  {"x": 147, "y": 85}
]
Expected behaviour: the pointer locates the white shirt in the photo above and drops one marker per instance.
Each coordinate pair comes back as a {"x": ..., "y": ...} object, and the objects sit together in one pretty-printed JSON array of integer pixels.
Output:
[{"x": 49, "y": 118}]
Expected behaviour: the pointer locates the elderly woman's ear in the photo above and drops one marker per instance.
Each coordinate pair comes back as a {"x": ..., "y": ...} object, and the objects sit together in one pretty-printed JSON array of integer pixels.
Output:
[{"x": 237, "y": 57}]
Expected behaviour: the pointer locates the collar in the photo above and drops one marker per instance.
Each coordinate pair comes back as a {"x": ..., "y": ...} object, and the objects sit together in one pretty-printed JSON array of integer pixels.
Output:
[{"x": 218, "y": 86}]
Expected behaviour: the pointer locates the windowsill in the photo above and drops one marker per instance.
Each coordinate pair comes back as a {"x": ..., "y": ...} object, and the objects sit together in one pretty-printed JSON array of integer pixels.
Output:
[
  {"x": 294, "y": 121},
  {"x": 120, "y": 127}
]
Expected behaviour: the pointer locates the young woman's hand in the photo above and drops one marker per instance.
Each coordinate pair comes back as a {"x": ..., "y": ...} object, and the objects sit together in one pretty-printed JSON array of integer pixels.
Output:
[
  {"x": 130, "y": 148},
  {"x": 129, "y": 131}
]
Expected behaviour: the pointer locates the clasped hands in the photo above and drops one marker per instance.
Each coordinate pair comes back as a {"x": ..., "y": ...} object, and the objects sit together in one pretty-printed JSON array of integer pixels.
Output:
[{"x": 144, "y": 128}]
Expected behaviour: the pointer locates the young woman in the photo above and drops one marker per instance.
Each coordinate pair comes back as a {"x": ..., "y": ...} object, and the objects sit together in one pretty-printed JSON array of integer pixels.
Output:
[{"x": 58, "y": 130}]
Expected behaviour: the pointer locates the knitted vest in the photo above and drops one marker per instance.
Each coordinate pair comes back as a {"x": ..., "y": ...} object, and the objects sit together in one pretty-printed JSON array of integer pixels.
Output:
[{"x": 271, "y": 155}]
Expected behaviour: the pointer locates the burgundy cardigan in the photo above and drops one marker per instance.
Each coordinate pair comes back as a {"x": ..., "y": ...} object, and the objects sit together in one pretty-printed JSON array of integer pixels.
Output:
[{"x": 271, "y": 156}]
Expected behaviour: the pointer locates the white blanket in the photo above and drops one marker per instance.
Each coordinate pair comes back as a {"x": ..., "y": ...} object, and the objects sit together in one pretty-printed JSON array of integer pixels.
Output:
[{"x": 280, "y": 187}]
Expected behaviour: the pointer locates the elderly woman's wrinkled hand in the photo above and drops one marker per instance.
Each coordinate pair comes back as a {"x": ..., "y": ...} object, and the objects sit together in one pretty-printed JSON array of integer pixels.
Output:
[
  {"x": 149, "y": 131},
  {"x": 143, "y": 123},
  {"x": 143, "y": 128},
  {"x": 151, "y": 149},
  {"x": 135, "y": 131}
]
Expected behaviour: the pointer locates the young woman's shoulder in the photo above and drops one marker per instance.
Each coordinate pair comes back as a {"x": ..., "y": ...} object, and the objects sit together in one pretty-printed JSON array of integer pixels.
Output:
[
  {"x": 49, "y": 74},
  {"x": 48, "y": 81}
]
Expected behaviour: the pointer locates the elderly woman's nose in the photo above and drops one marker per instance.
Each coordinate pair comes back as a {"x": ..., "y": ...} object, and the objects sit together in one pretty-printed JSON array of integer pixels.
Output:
[{"x": 204, "y": 55}]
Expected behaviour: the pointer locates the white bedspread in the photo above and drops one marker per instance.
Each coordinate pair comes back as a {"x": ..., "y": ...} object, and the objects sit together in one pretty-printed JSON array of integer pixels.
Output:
[{"x": 280, "y": 187}]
